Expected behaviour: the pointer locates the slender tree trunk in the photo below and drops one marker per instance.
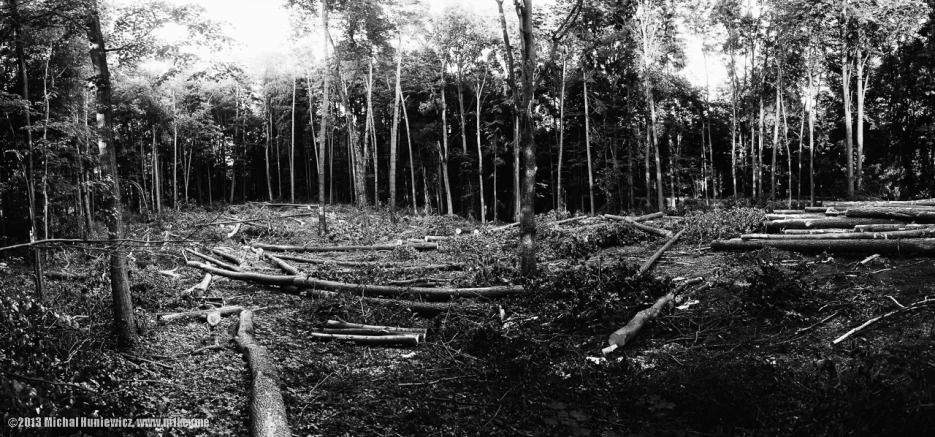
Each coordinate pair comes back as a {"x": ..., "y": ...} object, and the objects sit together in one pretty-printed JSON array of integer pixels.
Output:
[
  {"x": 517, "y": 192},
  {"x": 704, "y": 165},
  {"x": 480, "y": 154},
  {"x": 561, "y": 138},
  {"x": 811, "y": 140},
  {"x": 370, "y": 133},
  {"x": 861, "y": 91},
  {"x": 124, "y": 324},
  {"x": 30, "y": 174},
  {"x": 325, "y": 121},
  {"x": 233, "y": 150},
  {"x": 772, "y": 164},
  {"x": 157, "y": 184},
  {"x": 647, "y": 164},
  {"x": 444, "y": 149},
  {"x": 412, "y": 165},
  {"x": 175, "y": 155},
  {"x": 395, "y": 128},
  {"x": 760, "y": 146},
  {"x": 45, "y": 147},
  {"x": 527, "y": 246},
  {"x": 848, "y": 129},
  {"x": 292, "y": 144},
  {"x": 269, "y": 145},
  {"x": 587, "y": 143},
  {"x": 733, "y": 131},
  {"x": 801, "y": 150}
]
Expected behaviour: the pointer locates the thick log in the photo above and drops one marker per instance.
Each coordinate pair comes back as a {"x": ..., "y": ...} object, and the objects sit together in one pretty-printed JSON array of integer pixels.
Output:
[
  {"x": 881, "y": 203},
  {"x": 886, "y": 228},
  {"x": 201, "y": 286},
  {"x": 793, "y": 216},
  {"x": 199, "y": 314},
  {"x": 372, "y": 340},
  {"x": 915, "y": 233},
  {"x": 361, "y": 289},
  {"x": 214, "y": 261},
  {"x": 904, "y": 247},
  {"x": 267, "y": 410},
  {"x": 824, "y": 223},
  {"x": 390, "y": 265},
  {"x": 791, "y": 211},
  {"x": 623, "y": 335},
  {"x": 278, "y": 248},
  {"x": 227, "y": 256},
  {"x": 894, "y": 213},
  {"x": 817, "y": 209},
  {"x": 640, "y": 226},
  {"x": 284, "y": 266},
  {"x": 815, "y": 231},
  {"x": 652, "y": 260}
]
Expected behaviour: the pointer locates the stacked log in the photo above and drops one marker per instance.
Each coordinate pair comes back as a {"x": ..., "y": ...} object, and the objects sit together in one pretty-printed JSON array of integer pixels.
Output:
[{"x": 904, "y": 228}]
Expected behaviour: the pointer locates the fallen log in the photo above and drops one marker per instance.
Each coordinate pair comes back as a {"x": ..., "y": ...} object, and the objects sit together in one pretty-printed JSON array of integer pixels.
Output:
[
  {"x": 790, "y": 211},
  {"x": 366, "y": 290},
  {"x": 901, "y": 310},
  {"x": 652, "y": 260},
  {"x": 337, "y": 324},
  {"x": 878, "y": 203},
  {"x": 227, "y": 256},
  {"x": 885, "y": 228},
  {"x": 905, "y": 247},
  {"x": 914, "y": 233},
  {"x": 894, "y": 213},
  {"x": 815, "y": 231},
  {"x": 816, "y": 209},
  {"x": 390, "y": 265},
  {"x": 286, "y": 205},
  {"x": 201, "y": 286},
  {"x": 640, "y": 226},
  {"x": 278, "y": 248},
  {"x": 198, "y": 314},
  {"x": 284, "y": 266},
  {"x": 266, "y": 219},
  {"x": 623, "y": 335},
  {"x": 214, "y": 261},
  {"x": 371, "y": 340},
  {"x": 775, "y": 216},
  {"x": 267, "y": 410},
  {"x": 423, "y": 308},
  {"x": 234, "y": 230},
  {"x": 170, "y": 273},
  {"x": 824, "y": 223}
]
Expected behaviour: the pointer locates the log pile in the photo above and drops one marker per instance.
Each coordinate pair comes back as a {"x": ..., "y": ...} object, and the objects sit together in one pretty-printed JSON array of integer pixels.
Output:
[
  {"x": 903, "y": 228},
  {"x": 369, "y": 334}
]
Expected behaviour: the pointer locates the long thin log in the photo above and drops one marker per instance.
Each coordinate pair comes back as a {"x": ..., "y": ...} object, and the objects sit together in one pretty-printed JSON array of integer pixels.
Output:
[
  {"x": 366, "y": 290},
  {"x": 284, "y": 266},
  {"x": 816, "y": 209},
  {"x": 885, "y": 228},
  {"x": 623, "y": 335},
  {"x": 652, "y": 260},
  {"x": 198, "y": 314},
  {"x": 337, "y": 324},
  {"x": 227, "y": 256},
  {"x": 385, "y": 264},
  {"x": 373, "y": 340},
  {"x": 790, "y": 211},
  {"x": 775, "y": 216},
  {"x": 425, "y": 308},
  {"x": 881, "y": 204},
  {"x": 902, "y": 310},
  {"x": 278, "y": 248},
  {"x": 640, "y": 226},
  {"x": 815, "y": 231},
  {"x": 825, "y": 223},
  {"x": 214, "y": 261},
  {"x": 904, "y": 247},
  {"x": 894, "y": 213},
  {"x": 45, "y": 381},
  {"x": 267, "y": 409},
  {"x": 915, "y": 233},
  {"x": 264, "y": 219},
  {"x": 293, "y": 205}
]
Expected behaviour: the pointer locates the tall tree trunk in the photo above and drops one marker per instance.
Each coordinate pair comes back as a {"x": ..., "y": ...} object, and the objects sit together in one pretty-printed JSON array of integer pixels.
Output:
[
  {"x": 527, "y": 246},
  {"x": 772, "y": 164},
  {"x": 292, "y": 144},
  {"x": 395, "y": 128},
  {"x": 561, "y": 138},
  {"x": 233, "y": 150},
  {"x": 647, "y": 164},
  {"x": 269, "y": 145},
  {"x": 587, "y": 143},
  {"x": 325, "y": 121},
  {"x": 370, "y": 133},
  {"x": 517, "y": 192},
  {"x": 175, "y": 156},
  {"x": 412, "y": 165},
  {"x": 443, "y": 152},
  {"x": 480, "y": 154},
  {"x": 733, "y": 130},
  {"x": 30, "y": 174},
  {"x": 157, "y": 182},
  {"x": 811, "y": 140},
  {"x": 124, "y": 324},
  {"x": 861, "y": 91},
  {"x": 660, "y": 195},
  {"x": 760, "y": 145},
  {"x": 45, "y": 147},
  {"x": 704, "y": 165},
  {"x": 846, "y": 91}
]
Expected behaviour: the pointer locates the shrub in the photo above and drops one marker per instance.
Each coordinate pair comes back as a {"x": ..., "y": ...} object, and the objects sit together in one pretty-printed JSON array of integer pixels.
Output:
[{"x": 702, "y": 227}]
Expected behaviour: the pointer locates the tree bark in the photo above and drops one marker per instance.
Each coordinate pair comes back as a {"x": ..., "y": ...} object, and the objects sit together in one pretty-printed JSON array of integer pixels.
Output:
[
  {"x": 826, "y": 223},
  {"x": 267, "y": 409},
  {"x": 894, "y": 213},
  {"x": 124, "y": 324},
  {"x": 325, "y": 120},
  {"x": 284, "y": 248},
  {"x": 561, "y": 138},
  {"x": 904, "y": 247},
  {"x": 443, "y": 152},
  {"x": 846, "y": 95},
  {"x": 292, "y": 145},
  {"x": 395, "y": 129},
  {"x": 587, "y": 142}
]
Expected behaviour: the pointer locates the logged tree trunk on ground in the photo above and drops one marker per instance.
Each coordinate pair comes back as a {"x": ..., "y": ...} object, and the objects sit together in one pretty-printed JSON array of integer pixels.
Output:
[
  {"x": 124, "y": 324},
  {"x": 902, "y": 247},
  {"x": 854, "y": 235},
  {"x": 652, "y": 260},
  {"x": 623, "y": 335},
  {"x": 199, "y": 314},
  {"x": 267, "y": 410},
  {"x": 895, "y": 213},
  {"x": 280, "y": 248},
  {"x": 824, "y": 223}
]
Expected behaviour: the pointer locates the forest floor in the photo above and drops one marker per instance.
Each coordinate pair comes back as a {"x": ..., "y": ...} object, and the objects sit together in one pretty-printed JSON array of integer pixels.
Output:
[{"x": 753, "y": 355}]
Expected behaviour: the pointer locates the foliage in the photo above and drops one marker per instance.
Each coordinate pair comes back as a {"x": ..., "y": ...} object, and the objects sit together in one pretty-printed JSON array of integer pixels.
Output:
[{"x": 704, "y": 226}]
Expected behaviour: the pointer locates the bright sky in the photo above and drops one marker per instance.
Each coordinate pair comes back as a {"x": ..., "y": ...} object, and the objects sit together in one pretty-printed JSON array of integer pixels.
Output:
[{"x": 263, "y": 27}]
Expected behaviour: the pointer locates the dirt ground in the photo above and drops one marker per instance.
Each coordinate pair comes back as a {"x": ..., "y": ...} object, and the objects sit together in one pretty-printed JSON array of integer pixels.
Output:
[{"x": 752, "y": 355}]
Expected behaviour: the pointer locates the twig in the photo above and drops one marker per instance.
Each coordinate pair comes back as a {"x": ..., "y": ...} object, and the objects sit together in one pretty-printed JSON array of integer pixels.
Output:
[
  {"x": 412, "y": 384},
  {"x": 896, "y": 302},
  {"x": 864, "y": 326},
  {"x": 45, "y": 381}
]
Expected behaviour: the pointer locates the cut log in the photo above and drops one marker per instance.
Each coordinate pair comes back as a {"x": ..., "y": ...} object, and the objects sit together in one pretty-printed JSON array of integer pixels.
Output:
[
  {"x": 361, "y": 289},
  {"x": 337, "y": 324},
  {"x": 791, "y": 211},
  {"x": 285, "y": 205},
  {"x": 389, "y": 265},
  {"x": 623, "y": 335},
  {"x": 372, "y": 340},
  {"x": 265, "y": 219},
  {"x": 284, "y": 266},
  {"x": 278, "y": 248},
  {"x": 170, "y": 273},
  {"x": 214, "y": 261},
  {"x": 422, "y": 308},
  {"x": 570, "y": 220},
  {"x": 652, "y": 260},
  {"x": 894, "y": 213},
  {"x": 267, "y": 410},
  {"x": 815, "y": 231},
  {"x": 914, "y": 233},
  {"x": 881, "y": 203},
  {"x": 816, "y": 209},
  {"x": 885, "y": 228},
  {"x": 904, "y": 247},
  {"x": 824, "y": 223},
  {"x": 201, "y": 287},
  {"x": 198, "y": 314},
  {"x": 227, "y": 256},
  {"x": 793, "y": 216},
  {"x": 640, "y": 226}
]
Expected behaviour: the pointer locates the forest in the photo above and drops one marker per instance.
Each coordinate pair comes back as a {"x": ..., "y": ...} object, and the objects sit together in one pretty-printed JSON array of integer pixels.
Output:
[{"x": 426, "y": 217}]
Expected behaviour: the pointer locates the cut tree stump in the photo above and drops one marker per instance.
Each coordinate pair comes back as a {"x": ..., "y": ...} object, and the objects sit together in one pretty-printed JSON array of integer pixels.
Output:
[
  {"x": 267, "y": 409},
  {"x": 198, "y": 314},
  {"x": 652, "y": 260},
  {"x": 214, "y": 261},
  {"x": 623, "y": 335},
  {"x": 366, "y": 290},
  {"x": 279, "y": 248},
  {"x": 894, "y": 213},
  {"x": 905, "y": 247},
  {"x": 825, "y": 223}
]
